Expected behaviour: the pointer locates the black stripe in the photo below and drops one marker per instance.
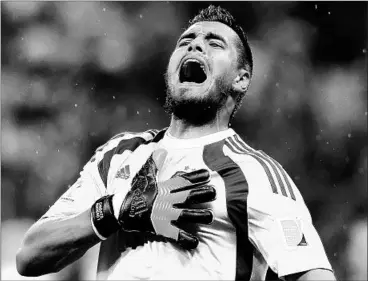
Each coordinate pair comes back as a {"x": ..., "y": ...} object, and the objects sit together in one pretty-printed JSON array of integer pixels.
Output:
[
  {"x": 232, "y": 148},
  {"x": 236, "y": 188},
  {"x": 263, "y": 164},
  {"x": 269, "y": 161},
  {"x": 277, "y": 170},
  {"x": 287, "y": 180},
  {"x": 126, "y": 144},
  {"x": 152, "y": 132}
]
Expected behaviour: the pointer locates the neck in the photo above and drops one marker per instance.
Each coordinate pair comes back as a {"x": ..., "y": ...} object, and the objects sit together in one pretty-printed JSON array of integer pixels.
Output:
[{"x": 180, "y": 129}]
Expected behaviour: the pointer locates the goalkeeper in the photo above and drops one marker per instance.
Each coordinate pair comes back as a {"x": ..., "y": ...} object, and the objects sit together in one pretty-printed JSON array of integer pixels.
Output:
[{"x": 192, "y": 201}]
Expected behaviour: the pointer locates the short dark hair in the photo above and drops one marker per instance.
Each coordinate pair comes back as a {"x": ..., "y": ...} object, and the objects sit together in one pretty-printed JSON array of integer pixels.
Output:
[{"x": 219, "y": 14}]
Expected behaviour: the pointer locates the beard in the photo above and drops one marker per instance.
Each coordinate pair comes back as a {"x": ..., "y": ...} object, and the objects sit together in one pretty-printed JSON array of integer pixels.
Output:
[{"x": 197, "y": 111}]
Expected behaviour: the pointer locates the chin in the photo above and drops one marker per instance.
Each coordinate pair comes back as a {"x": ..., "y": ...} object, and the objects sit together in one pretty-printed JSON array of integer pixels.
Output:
[{"x": 193, "y": 90}]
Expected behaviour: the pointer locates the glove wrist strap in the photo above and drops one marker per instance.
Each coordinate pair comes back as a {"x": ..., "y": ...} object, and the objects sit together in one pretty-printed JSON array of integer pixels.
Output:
[{"x": 103, "y": 220}]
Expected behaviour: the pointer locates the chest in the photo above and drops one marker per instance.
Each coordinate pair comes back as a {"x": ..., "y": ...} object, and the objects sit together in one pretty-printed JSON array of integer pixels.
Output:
[{"x": 229, "y": 207}]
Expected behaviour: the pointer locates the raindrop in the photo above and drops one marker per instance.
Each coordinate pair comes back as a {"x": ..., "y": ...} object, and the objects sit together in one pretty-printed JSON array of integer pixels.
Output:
[
  {"x": 349, "y": 135},
  {"x": 58, "y": 150},
  {"x": 104, "y": 9},
  {"x": 277, "y": 84},
  {"x": 140, "y": 16},
  {"x": 329, "y": 13},
  {"x": 147, "y": 124},
  {"x": 327, "y": 142},
  {"x": 76, "y": 105},
  {"x": 278, "y": 110},
  {"x": 36, "y": 151},
  {"x": 364, "y": 51},
  {"x": 22, "y": 38},
  {"x": 105, "y": 34},
  {"x": 113, "y": 97},
  {"x": 149, "y": 110},
  {"x": 137, "y": 112},
  {"x": 315, "y": 7}
]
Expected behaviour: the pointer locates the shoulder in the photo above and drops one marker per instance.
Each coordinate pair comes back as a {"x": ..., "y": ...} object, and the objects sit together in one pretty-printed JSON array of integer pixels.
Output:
[
  {"x": 125, "y": 141},
  {"x": 264, "y": 174},
  {"x": 118, "y": 144}
]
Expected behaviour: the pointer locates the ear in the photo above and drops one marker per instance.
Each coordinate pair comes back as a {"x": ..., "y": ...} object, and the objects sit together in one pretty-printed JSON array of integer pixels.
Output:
[{"x": 241, "y": 82}]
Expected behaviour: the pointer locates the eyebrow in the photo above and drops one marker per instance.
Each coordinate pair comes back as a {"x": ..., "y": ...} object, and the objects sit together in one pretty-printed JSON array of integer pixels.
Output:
[{"x": 209, "y": 35}]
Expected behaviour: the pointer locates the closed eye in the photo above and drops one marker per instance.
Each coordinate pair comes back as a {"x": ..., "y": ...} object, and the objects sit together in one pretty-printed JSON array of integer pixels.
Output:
[
  {"x": 216, "y": 44},
  {"x": 184, "y": 42}
]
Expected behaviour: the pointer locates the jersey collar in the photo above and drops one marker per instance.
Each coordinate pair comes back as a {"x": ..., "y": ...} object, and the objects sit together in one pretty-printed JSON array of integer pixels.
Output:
[{"x": 172, "y": 142}]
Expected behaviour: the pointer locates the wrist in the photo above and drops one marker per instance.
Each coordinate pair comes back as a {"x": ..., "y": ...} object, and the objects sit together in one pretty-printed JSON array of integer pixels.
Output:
[
  {"x": 103, "y": 220},
  {"x": 117, "y": 201}
]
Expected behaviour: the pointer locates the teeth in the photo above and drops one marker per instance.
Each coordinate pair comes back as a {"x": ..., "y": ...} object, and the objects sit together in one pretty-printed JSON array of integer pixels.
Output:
[{"x": 194, "y": 60}]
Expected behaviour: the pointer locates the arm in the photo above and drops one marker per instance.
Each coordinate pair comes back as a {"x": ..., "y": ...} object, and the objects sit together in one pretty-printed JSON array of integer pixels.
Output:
[
  {"x": 281, "y": 229},
  {"x": 312, "y": 275},
  {"x": 51, "y": 245},
  {"x": 65, "y": 232}
]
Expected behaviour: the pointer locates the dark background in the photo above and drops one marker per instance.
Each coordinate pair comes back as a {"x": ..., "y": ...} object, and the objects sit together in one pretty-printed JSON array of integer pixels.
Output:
[{"x": 75, "y": 73}]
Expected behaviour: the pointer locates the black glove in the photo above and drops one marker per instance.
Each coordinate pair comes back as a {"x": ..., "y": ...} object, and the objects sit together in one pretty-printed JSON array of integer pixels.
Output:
[{"x": 158, "y": 207}]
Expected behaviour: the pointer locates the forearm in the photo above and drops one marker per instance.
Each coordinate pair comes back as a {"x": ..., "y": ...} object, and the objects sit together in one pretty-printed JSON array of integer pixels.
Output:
[
  {"x": 312, "y": 275},
  {"x": 52, "y": 245}
]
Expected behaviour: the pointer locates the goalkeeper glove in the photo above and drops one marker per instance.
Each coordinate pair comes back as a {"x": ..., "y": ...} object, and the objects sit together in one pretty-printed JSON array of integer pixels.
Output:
[{"x": 157, "y": 207}]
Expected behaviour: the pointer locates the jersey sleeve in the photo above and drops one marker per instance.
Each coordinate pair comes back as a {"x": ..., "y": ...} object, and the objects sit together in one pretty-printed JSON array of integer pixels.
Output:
[
  {"x": 80, "y": 196},
  {"x": 92, "y": 183},
  {"x": 281, "y": 227}
]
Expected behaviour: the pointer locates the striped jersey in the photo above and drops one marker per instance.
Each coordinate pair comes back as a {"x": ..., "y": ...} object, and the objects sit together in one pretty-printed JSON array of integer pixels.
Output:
[{"x": 260, "y": 222}]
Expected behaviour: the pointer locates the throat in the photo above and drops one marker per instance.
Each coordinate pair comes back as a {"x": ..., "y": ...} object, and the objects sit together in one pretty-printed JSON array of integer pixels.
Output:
[{"x": 181, "y": 129}]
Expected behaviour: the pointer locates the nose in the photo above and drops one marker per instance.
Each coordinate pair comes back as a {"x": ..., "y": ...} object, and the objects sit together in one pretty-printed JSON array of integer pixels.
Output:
[{"x": 196, "y": 46}]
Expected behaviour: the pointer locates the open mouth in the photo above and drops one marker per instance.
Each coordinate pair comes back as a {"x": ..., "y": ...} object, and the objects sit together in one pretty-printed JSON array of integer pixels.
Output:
[{"x": 192, "y": 71}]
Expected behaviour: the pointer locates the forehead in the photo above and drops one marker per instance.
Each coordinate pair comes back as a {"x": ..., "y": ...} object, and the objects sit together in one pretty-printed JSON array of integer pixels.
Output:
[{"x": 219, "y": 28}]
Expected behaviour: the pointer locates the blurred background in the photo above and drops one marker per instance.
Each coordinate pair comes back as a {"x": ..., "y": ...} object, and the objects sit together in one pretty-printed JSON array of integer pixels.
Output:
[{"x": 73, "y": 74}]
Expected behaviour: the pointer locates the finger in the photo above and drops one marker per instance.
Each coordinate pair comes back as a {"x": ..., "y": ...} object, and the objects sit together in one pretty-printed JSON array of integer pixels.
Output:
[
  {"x": 188, "y": 180},
  {"x": 187, "y": 240},
  {"x": 202, "y": 216},
  {"x": 197, "y": 177},
  {"x": 201, "y": 194}
]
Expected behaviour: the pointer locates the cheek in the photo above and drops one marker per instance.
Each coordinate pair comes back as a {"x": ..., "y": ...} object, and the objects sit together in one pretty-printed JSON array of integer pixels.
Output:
[
  {"x": 224, "y": 67},
  {"x": 173, "y": 62}
]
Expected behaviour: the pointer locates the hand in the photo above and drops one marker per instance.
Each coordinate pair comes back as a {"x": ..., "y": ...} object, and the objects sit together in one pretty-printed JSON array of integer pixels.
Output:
[{"x": 157, "y": 207}]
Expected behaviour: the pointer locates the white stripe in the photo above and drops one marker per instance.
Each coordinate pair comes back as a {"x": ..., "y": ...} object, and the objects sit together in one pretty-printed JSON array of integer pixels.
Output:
[{"x": 255, "y": 154}]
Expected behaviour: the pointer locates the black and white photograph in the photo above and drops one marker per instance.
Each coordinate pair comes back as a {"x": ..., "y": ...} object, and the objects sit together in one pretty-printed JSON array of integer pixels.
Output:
[{"x": 184, "y": 140}]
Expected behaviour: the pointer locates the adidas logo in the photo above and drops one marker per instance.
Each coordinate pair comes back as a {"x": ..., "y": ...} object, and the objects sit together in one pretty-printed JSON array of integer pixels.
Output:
[{"x": 123, "y": 173}]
